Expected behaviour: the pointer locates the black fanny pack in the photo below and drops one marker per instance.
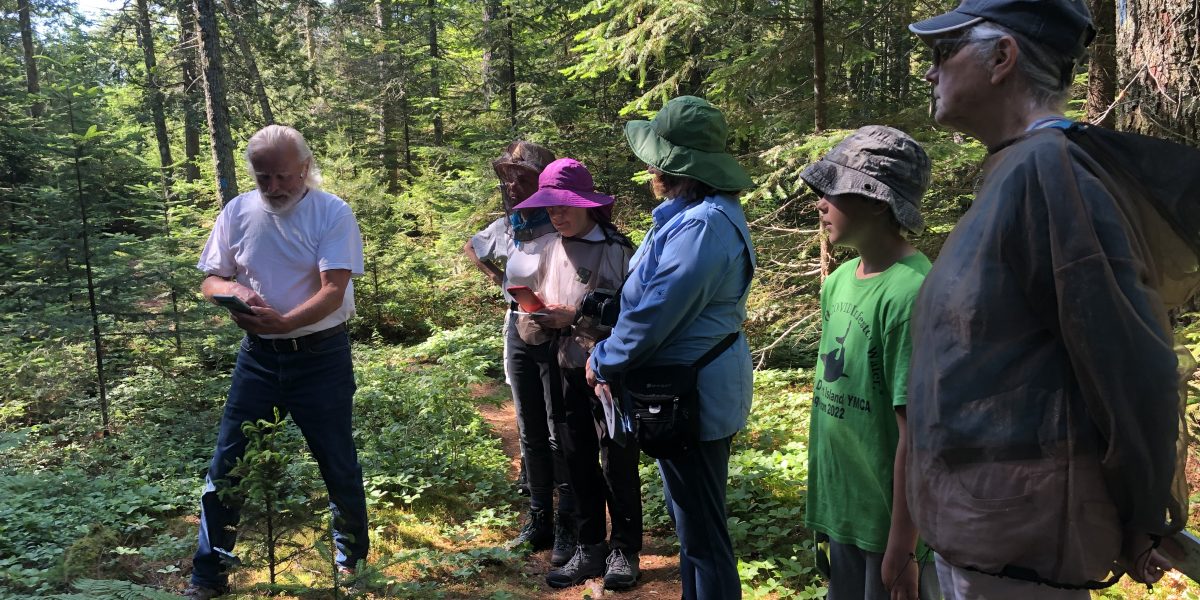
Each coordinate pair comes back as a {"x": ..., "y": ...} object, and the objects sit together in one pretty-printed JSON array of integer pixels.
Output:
[{"x": 665, "y": 403}]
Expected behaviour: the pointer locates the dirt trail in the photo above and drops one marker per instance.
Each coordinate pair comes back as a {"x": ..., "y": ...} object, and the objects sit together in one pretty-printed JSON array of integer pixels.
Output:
[{"x": 659, "y": 559}]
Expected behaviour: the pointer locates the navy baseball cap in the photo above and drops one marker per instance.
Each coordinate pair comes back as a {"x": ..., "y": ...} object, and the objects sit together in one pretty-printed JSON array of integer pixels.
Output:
[{"x": 1064, "y": 25}]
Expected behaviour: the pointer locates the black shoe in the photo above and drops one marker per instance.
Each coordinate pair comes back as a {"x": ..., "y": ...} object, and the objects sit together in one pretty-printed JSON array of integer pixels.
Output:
[
  {"x": 623, "y": 571},
  {"x": 565, "y": 539},
  {"x": 538, "y": 532},
  {"x": 587, "y": 562}
]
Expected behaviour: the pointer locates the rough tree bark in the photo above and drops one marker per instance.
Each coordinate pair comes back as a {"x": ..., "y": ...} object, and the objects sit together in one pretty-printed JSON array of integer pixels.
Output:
[
  {"x": 31, "y": 72},
  {"x": 511, "y": 79},
  {"x": 215, "y": 102},
  {"x": 1102, "y": 69},
  {"x": 154, "y": 98},
  {"x": 191, "y": 84},
  {"x": 1159, "y": 57},
  {"x": 435, "y": 88},
  {"x": 818, "y": 24},
  {"x": 239, "y": 37},
  {"x": 488, "y": 37},
  {"x": 388, "y": 153}
]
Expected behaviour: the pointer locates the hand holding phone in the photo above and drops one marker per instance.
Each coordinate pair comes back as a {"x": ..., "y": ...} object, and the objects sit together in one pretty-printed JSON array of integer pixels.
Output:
[
  {"x": 233, "y": 303},
  {"x": 526, "y": 298}
]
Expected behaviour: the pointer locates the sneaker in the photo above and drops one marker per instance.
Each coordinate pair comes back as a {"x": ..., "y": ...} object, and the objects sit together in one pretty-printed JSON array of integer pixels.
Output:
[
  {"x": 199, "y": 592},
  {"x": 623, "y": 570},
  {"x": 588, "y": 562},
  {"x": 565, "y": 539},
  {"x": 538, "y": 532}
]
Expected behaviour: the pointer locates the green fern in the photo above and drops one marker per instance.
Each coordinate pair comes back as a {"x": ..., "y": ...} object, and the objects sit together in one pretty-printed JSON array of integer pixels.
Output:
[{"x": 111, "y": 589}]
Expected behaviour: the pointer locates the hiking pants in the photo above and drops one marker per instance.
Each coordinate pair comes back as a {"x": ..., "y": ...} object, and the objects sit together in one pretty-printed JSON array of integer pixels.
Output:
[
  {"x": 610, "y": 480},
  {"x": 537, "y": 388},
  {"x": 316, "y": 386},
  {"x": 694, "y": 489}
]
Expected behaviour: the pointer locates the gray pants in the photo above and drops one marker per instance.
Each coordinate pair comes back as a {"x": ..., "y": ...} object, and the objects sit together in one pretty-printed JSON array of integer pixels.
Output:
[
  {"x": 961, "y": 584},
  {"x": 856, "y": 574}
]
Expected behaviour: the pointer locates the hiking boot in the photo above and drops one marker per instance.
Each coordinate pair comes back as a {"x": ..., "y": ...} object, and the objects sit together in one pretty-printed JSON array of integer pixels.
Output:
[
  {"x": 623, "y": 571},
  {"x": 587, "y": 562},
  {"x": 538, "y": 532},
  {"x": 199, "y": 592},
  {"x": 565, "y": 539}
]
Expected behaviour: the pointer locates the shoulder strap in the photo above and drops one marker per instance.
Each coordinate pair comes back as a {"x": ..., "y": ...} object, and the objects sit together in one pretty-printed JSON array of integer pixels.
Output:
[{"x": 716, "y": 351}]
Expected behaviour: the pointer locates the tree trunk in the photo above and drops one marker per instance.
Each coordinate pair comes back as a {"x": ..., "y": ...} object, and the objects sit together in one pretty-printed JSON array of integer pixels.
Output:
[
  {"x": 310, "y": 45},
  {"x": 818, "y": 24},
  {"x": 491, "y": 10},
  {"x": 239, "y": 37},
  {"x": 511, "y": 79},
  {"x": 435, "y": 88},
  {"x": 215, "y": 101},
  {"x": 190, "y": 99},
  {"x": 93, "y": 309},
  {"x": 31, "y": 72},
  {"x": 154, "y": 98},
  {"x": 1102, "y": 70},
  {"x": 1159, "y": 54},
  {"x": 406, "y": 118},
  {"x": 387, "y": 103}
]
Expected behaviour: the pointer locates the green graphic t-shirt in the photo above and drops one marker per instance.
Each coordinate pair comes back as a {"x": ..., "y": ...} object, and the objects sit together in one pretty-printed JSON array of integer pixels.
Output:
[{"x": 862, "y": 375}]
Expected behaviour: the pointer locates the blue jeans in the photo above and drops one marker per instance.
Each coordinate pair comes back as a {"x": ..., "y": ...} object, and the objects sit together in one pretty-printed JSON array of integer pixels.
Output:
[
  {"x": 694, "y": 487},
  {"x": 316, "y": 386}
]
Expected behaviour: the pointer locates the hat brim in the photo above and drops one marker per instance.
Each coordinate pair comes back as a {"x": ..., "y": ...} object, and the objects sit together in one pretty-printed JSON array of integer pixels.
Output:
[
  {"x": 831, "y": 179},
  {"x": 943, "y": 24},
  {"x": 560, "y": 197},
  {"x": 518, "y": 168},
  {"x": 718, "y": 170}
]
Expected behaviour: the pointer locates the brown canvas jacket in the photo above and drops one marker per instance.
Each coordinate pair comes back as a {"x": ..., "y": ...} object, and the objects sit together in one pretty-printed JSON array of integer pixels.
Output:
[{"x": 1042, "y": 411}]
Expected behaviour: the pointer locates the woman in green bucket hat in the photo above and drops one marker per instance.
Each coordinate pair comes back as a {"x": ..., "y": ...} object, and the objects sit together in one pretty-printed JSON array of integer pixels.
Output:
[{"x": 685, "y": 297}]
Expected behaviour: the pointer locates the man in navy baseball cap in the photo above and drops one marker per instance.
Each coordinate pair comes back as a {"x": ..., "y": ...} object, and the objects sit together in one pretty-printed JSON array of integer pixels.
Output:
[{"x": 1043, "y": 409}]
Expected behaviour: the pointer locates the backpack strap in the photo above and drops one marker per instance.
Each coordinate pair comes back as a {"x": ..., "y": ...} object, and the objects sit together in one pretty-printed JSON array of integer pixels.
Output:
[{"x": 716, "y": 351}]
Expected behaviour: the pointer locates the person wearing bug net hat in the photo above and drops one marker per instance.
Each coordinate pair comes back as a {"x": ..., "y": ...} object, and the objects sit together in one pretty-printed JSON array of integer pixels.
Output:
[
  {"x": 510, "y": 251},
  {"x": 580, "y": 274},
  {"x": 684, "y": 300},
  {"x": 1042, "y": 414}
]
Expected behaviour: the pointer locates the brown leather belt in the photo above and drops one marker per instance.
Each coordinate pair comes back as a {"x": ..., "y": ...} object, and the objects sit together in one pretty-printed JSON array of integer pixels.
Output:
[{"x": 296, "y": 344}]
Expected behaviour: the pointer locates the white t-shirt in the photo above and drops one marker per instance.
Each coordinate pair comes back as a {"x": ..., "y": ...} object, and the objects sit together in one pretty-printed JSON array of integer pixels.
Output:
[
  {"x": 280, "y": 255},
  {"x": 522, "y": 264}
]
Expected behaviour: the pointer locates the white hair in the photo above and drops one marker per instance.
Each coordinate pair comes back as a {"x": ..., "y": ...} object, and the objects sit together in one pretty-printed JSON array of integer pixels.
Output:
[
  {"x": 1046, "y": 72},
  {"x": 273, "y": 136}
]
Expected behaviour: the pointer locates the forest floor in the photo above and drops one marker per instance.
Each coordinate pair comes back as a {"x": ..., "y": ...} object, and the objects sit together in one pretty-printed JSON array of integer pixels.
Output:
[{"x": 659, "y": 557}]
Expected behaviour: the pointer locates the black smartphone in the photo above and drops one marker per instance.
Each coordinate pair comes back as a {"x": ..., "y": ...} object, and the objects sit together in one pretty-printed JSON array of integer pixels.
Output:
[{"x": 233, "y": 303}]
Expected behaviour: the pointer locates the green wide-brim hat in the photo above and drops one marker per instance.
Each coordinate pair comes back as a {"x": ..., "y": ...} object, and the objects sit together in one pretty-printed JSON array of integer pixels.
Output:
[{"x": 687, "y": 138}]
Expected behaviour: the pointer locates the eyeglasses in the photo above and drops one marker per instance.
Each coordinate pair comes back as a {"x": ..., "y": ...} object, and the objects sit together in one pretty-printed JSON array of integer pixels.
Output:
[{"x": 944, "y": 49}]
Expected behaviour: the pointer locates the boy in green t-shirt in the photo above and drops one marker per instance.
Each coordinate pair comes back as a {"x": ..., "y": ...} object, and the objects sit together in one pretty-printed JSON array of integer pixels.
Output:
[{"x": 871, "y": 186}]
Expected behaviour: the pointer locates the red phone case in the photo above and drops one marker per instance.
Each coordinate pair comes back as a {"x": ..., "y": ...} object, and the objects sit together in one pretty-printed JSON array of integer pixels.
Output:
[{"x": 526, "y": 298}]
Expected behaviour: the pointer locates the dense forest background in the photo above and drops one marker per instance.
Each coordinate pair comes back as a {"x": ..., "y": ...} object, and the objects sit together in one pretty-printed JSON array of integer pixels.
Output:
[{"x": 120, "y": 138}]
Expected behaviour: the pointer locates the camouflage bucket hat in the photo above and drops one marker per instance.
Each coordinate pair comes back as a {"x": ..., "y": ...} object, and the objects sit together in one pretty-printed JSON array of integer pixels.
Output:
[
  {"x": 876, "y": 162},
  {"x": 523, "y": 156}
]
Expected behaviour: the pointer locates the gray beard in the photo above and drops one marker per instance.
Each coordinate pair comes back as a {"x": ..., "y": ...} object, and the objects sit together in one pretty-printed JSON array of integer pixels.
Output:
[{"x": 285, "y": 205}]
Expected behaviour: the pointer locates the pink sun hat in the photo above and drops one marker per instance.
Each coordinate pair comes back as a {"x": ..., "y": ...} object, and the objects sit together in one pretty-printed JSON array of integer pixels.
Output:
[{"x": 566, "y": 182}]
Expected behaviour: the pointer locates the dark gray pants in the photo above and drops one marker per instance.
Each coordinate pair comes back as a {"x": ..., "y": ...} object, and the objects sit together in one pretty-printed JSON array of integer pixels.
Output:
[
  {"x": 855, "y": 574},
  {"x": 537, "y": 389}
]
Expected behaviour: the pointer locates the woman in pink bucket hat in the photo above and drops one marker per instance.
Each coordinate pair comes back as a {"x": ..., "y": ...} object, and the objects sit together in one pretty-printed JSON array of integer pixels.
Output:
[{"x": 580, "y": 275}]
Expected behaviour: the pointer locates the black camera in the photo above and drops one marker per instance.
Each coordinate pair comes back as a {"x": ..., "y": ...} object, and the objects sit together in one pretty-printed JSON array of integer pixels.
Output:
[{"x": 601, "y": 305}]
